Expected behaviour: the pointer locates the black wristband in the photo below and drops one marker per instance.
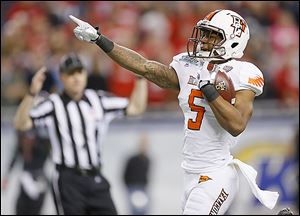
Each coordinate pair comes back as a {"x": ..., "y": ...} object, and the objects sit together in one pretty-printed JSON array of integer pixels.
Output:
[
  {"x": 210, "y": 92},
  {"x": 105, "y": 44}
]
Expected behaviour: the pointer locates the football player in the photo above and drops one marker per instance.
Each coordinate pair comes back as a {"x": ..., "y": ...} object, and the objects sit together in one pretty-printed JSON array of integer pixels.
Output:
[{"x": 212, "y": 124}]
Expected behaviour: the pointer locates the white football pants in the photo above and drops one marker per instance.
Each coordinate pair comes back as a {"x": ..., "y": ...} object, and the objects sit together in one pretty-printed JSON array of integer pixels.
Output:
[{"x": 210, "y": 194}]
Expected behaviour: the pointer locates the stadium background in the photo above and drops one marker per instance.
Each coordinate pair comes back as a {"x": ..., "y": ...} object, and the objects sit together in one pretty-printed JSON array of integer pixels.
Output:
[{"x": 38, "y": 33}]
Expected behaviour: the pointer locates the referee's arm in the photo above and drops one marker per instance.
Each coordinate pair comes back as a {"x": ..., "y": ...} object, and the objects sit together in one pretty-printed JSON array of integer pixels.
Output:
[
  {"x": 22, "y": 119},
  {"x": 139, "y": 98}
]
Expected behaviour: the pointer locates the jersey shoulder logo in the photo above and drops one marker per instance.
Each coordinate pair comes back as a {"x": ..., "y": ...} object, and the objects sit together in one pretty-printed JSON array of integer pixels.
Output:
[
  {"x": 187, "y": 59},
  {"x": 227, "y": 68},
  {"x": 257, "y": 81}
]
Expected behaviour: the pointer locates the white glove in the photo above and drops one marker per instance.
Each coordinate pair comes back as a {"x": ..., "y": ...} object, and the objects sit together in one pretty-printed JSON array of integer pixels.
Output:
[
  {"x": 84, "y": 31},
  {"x": 206, "y": 76}
]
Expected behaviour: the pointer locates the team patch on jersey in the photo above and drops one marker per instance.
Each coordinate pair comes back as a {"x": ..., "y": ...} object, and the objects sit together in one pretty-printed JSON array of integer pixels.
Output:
[
  {"x": 257, "y": 81},
  {"x": 203, "y": 179},
  {"x": 189, "y": 60},
  {"x": 218, "y": 203},
  {"x": 227, "y": 68},
  {"x": 193, "y": 81}
]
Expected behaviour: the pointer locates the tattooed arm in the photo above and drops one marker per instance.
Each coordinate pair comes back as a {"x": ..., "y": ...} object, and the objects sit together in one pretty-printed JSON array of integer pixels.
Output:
[
  {"x": 160, "y": 74},
  {"x": 155, "y": 72}
]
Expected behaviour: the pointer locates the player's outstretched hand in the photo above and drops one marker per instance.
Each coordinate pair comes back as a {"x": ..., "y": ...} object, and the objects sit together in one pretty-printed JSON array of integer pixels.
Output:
[{"x": 84, "y": 31}]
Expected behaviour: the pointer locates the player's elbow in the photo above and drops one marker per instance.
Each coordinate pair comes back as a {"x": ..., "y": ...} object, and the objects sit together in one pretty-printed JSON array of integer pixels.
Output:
[
  {"x": 235, "y": 133},
  {"x": 236, "y": 129}
]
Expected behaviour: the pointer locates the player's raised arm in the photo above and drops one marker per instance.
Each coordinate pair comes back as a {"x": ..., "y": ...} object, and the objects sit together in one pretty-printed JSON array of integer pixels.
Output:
[{"x": 160, "y": 74}]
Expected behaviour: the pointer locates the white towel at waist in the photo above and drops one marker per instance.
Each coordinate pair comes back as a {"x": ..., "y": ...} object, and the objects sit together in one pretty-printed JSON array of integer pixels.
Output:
[{"x": 267, "y": 198}]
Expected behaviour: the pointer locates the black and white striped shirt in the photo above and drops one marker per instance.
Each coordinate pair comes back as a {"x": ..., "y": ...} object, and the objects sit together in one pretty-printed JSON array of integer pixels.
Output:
[{"x": 76, "y": 128}]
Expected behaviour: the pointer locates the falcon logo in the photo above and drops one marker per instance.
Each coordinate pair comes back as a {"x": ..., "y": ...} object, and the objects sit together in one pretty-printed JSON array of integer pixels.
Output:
[
  {"x": 257, "y": 81},
  {"x": 203, "y": 179}
]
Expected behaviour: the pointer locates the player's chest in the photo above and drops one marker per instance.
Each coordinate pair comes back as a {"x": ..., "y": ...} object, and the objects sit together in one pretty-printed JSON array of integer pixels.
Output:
[{"x": 190, "y": 97}]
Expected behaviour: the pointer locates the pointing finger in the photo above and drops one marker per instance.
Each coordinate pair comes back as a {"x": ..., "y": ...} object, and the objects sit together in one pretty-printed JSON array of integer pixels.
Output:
[
  {"x": 42, "y": 70},
  {"x": 76, "y": 20}
]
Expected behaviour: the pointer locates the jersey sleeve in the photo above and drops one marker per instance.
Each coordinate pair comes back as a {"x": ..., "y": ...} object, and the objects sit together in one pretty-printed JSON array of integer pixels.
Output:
[
  {"x": 251, "y": 78},
  {"x": 177, "y": 65}
]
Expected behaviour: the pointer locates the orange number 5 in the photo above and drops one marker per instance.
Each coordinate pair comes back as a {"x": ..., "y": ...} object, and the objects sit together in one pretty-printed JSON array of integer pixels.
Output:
[{"x": 195, "y": 125}]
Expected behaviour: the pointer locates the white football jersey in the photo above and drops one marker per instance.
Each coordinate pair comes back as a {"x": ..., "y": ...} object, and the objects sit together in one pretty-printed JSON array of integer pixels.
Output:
[{"x": 206, "y": 144}]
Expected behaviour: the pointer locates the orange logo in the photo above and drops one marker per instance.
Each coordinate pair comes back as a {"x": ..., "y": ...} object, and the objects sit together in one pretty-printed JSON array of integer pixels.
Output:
[
  {"x": 257, "y": 81},
  {"x": 203, "y": 179}
]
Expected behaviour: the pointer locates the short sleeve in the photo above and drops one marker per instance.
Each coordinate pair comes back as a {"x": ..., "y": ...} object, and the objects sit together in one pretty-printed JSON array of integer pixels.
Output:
[
  {"x": 251, "y": 78},
  {"x": 179, "y": 64},
  {"x": 175, "y": 63}
]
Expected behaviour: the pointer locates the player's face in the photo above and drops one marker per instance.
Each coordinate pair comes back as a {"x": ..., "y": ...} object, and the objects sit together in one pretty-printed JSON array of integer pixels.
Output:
[
  {"x": 75, "y": 81},
  {"x": 209, "y": 39}
]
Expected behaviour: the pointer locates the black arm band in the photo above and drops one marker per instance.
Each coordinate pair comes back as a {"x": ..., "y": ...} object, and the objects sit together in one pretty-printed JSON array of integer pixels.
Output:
[
  {"x": 210, "y": 92},
  {"x": 105, "y": 44}
]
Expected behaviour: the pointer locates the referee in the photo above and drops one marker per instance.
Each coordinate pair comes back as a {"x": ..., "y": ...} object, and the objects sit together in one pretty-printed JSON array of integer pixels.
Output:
[{"x": 77, "y": 120}]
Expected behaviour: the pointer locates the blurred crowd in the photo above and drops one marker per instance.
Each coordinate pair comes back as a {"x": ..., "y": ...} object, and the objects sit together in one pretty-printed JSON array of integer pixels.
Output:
[{"x": 36, "y": 33}]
